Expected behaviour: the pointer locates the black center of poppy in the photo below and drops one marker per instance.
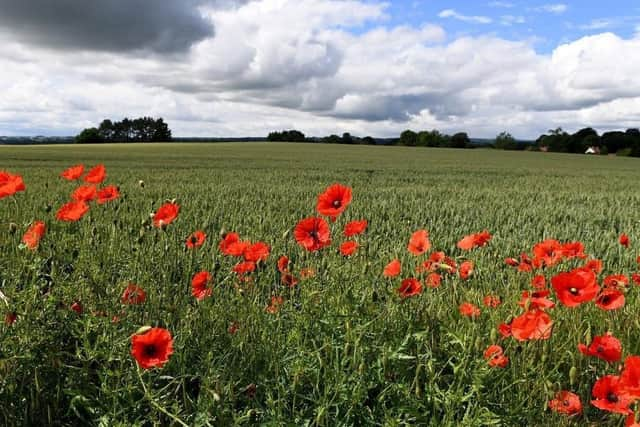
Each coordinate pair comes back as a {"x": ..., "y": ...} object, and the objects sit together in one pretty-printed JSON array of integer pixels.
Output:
[
  {"x": 600, "y": 349},
  {"x": 194, "y": 240},
  {"x": 573, "y": 291},
  {"x": 313, "y": 234},
  {"x": 336, "y": 203},
  {"x": 612, "y": 397},
  {"x": 565, "y": 403},
  {"x": 150, "y": 350},
  {"x": 606, "y": 300}
]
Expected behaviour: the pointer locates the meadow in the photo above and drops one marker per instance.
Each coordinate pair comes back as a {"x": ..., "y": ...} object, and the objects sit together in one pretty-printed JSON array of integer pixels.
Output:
[{"x": 342, "y": 346}]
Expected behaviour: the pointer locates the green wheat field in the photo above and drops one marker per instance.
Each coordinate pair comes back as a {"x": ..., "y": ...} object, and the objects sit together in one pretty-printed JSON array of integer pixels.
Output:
[{"x": 343, "y": 348}]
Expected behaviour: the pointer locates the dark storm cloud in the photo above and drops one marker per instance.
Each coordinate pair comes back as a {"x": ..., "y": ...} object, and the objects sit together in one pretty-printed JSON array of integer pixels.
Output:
[{"x": 163, "y": 26}]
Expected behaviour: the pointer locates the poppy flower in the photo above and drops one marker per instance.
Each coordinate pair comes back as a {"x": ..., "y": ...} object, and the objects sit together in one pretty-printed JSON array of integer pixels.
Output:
[
  {"x": 474, "y": 240},
  {"x": 72, "y": 173},
  {"x": 534, "y": 324},
  {"x": 547, "y": 253},
  {"x": 72, "y": 211},
  {"x": 630, "y": 377},
  {"x": 96, "y": 175},
  {"x": 494, "y": 355},
  {"x": 10, "y": 318},
  {"x": 469, "y": 310},
  {"x": 526, "y": 264},
  {"x": 275, "y": 304},
  {"x": 199, "y": 285},
  {"x": 84, "y": 193},
  {"x": 433, "y": 280},
  {"x": 108, "y": 194},
  {"x": 594, "y": 265},
  {"x": 233, "y": 328},
  {"x": 33, "y": 235},
  {"x": 77, "y": 307},
  {"x": 624, "y": 240},
  {"x": 605, "y": 347},
  {"x": 630, "y": 421},
  {"x": 307, "y": 273},
  {"x": 196, "y": 239},
  {"x": 573, "y": 250},
  {"x": 610, "y": 299},
  {"x": 392, "y": 269},
  {"x": 466, "y": 270},
  {"x": 567, "y": 403},
  {"x": 334, "y": 200},
  {"x": 166, "y": 214},
  {"x": 348, "y": 248},
  {"x": 616, "y": 281},
  {"x": 133, "y": 295},
  {"x": 152, "y": 348},
  {"x": 504, "y": 329},
  {"x": 511, "y": 262},
  {"x": 283, "y": 264},
  {"x": 256, "y": 252},
  {"x": 537, "y": 299},
  {"x": 231, "y": 245},
  {"x": 244, "y": 267},
  {"x": 635, "y": 277},
  {"x": 538, "y": 282},
  {"x": 410, "y": 287},
  {"x": 491, "y": 301},
  {"x": 312, "y": 234},
  {"x": 419, "y": 242},
  {"x": 289, "y": 279},
  {"x": 575, "y": 287},
  {"x": 10, "y": 184},
  {"x": 354, "y": 228},
  {"x": 609, "y": 395}
]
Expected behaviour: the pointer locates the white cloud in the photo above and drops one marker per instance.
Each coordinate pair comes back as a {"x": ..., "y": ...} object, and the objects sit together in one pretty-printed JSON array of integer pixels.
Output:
[
  {"x": 509, "y": 20},
  {"x": 451, "y": 13},
  {"x": 501, "y": 4},
  {"x": 597, "y": 24},
  {"x": 557, "y": 8}
]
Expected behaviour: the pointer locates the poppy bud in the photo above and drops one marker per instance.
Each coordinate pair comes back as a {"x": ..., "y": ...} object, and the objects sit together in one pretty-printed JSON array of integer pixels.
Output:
[
  {"x": 573, "y": 374},
  {"x": 222, "y": 233},
  {"x": 493, "y": 335},
  {"x": 478, "y": 344},
  {"x": 77, "y": 307},
  {"x": 142, "y": 330},
  {"x": 141, "y": 183},
  {"x": 13, "y": 227}
]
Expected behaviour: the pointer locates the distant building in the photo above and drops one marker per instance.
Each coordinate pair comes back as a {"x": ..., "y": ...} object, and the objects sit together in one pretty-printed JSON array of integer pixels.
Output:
[{"x": 592, "y": 150}]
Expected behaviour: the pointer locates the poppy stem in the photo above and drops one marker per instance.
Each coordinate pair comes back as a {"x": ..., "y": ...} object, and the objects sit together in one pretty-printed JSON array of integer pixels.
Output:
[{"x": 156, "y": 405}]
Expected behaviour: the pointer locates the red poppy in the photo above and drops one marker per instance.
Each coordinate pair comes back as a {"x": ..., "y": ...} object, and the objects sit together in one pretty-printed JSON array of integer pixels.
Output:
[
  {"x": 547, "y": 253},
  {"x": 233, "y": 328},
  {"x": 10, "y": 318},
  {"x": 491, "y": 301},
  {"x": 283, "y": 264},
  {"x": 33, "y": 235},
  {"x": 84, "y": 193},
  {"x": 231, "y": 245},
  {"x": 334, "y": 200},
  {"x": 504, "y": 329},
  {"x": 630, "y": 377},
  {"x": 512, "y": 262},
  {"x": 474, "y": 240},
  {"x": 433, "y": 280},
  {"x": 133, "y": 295},
  {"x": 635, "y": 277},
  {"x": 419, "y": 242},
  {"x": 256, "y": 252},
  {"x": 72, "y": 211},
  {"x": 609, "y": 395},
  {"x": 348, "y": 248},
  {"x": 108, "y": 194},
  {"x": 566, "y": 403},
  {"x": 539, "y": 282},
  {"x": 354, "y": 228},
  {"x": 638, "y": 259},
  {"x": 200, "y": 285},
  {"x": 275, "y": 304},
  {"x": 410, "y": 287},
  {"x": 534, "y": 324},
  {"x": 152, "y": 348},
  {"x": 196, "y": 239},
  {"x": 77, "y": 307},
  {"x": 494, "y": 355},
  {"x": 10, "y": 184},
  {"x": 166, "y": 214},
  {"x": 73, "y": 173},
  {"x": 573, "y": 250},
  {"x": 616, "y": 281},
  {"x": 526, "y": 264},
  {"x": 605, "y": 347},
  {"x": 575, "y": 287},
  {"x": 289, "y": 279},
  {"x": 466, "y": 270},
  {"x": 610, "y": 299},
  {"x": 392, "y": 269},
  {"x": 630, "y": 421},
  {"x": 469, "y": 310},
  {"x": 624, "y": 240},
  {"x": 313, "y": 234},
  {"x": 244, "y": 267},
  {"x": 537, "y": 299},
  {"x": 594, "y": 265},
  {"x": 96, "y": 175}
]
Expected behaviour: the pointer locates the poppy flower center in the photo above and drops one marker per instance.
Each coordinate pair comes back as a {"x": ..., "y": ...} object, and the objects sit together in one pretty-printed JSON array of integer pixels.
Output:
[
  {"x": 336, "y": 203},
  {"x": 566, "y": 403},
  {"x": 150, "y": 350},
  {"x": 573, "y": 291},
  {"x": 600, "y": 349},
  {"x": 313, "y": 234},
  {"x": 194, "y": 240},
  {"x": 612, "y": 397}
]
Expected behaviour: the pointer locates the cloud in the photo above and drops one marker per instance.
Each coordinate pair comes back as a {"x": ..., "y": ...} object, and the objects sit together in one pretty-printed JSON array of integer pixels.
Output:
[
  {"x": 597, "y": 24},
  {"x": 451, "y": 13},
  {"x": 501, "y": 4},
  {"x": 557, "y": 8},
  {"x": 509, "y": 20}
]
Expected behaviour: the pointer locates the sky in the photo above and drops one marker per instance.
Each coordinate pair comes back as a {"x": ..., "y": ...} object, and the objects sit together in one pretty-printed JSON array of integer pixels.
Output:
[{"x": 245, "y": 68}]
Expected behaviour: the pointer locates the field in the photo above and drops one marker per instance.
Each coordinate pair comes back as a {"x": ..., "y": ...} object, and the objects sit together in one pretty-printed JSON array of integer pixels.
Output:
[{"x": 343, "y": 348}]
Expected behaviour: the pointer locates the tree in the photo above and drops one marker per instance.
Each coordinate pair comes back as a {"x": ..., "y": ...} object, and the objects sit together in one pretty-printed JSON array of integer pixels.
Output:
[
  {"x": 460, "y": 140},
  {"x": 369, "y": 140},
  {"x": 89, "y": 136},
  {"x": 504, "y": 141},
  {"x": 347, "y": 138},
  {"x": 408, "y": 138}
]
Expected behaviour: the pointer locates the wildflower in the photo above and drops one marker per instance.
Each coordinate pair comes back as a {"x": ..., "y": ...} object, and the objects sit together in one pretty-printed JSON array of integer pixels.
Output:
[
  {"x": 494, "y": 355},
  {"x": 152, "y": 348},
  {"x": 410, "y": 287},
  {"x": 575, "y": 287},
  {"x": 334, "y": 200},
  {"x": 166, "y": 214},
  {"x": 419, "y": 242},
  {"x": 34, "y": 234},
  {"x": 312, "y": 234},
  {"x": 567, "y": 403},
  {"x": 605, "y": 347},
  {"x": 73, "y": 173},
  {"x": 72, "y": 211},
  {"x": 469, "y": 310},
  {"x": 348, "y": 248},
  {"x": 133, "y": 295},
  {"x": 354, "y": 228},
  {"x": 107, "y": 194},
  {"x": 96, "y": 175},
  {"x": 200, "y": 285},
  {"x": 392, "y": 269},
  {"x": 196, "y": 239}
]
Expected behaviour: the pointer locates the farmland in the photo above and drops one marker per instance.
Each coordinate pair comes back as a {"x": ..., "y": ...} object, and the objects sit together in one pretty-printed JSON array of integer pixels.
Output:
[{"x": 342, "y": 347}]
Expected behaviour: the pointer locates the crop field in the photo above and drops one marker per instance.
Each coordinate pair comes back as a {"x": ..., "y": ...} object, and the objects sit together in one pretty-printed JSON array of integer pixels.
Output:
[{"x": 107, "y": 321}]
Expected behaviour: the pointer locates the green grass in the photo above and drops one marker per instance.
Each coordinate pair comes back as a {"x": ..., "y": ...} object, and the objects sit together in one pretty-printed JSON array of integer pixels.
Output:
[{"x": 344, "y": 349}]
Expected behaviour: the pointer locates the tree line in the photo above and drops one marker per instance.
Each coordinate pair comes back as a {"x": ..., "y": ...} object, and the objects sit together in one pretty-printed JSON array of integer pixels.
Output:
[{"x": 142, "y": 129}]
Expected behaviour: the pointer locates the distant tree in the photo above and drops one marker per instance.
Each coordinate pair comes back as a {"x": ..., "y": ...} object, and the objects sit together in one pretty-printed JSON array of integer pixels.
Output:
[
  {"x": 408, "y": 138},
  {"x": 460, "y": 140},
  {"x": 616, "y": 140},
  {"x": 287, "y": 136},
  {"x": 89, "y": 136},
  {"x": 557, "y": 140},
  {"x": 504, "y": 141},
  {"x": 347, "y": 138},
  {"x": 368, "y": 140},
  {"x": 576, "y": 142}
]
